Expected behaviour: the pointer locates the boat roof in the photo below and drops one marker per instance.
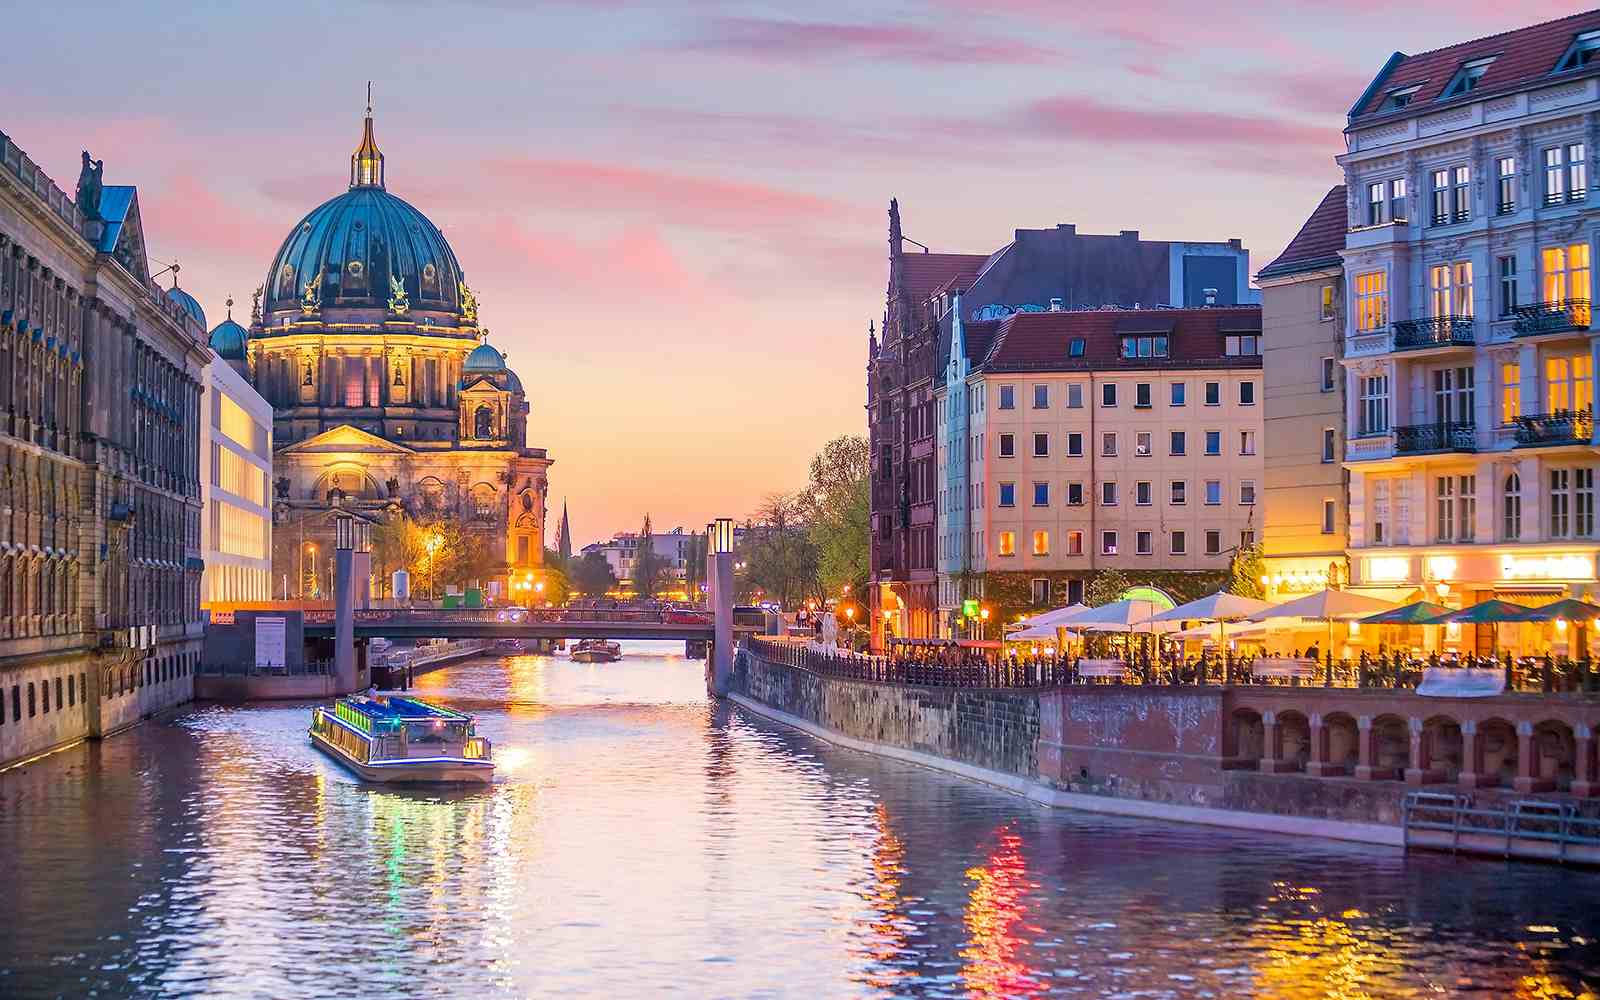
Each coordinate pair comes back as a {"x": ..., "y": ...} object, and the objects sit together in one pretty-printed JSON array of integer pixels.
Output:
[{"x": 402, "y": 709}]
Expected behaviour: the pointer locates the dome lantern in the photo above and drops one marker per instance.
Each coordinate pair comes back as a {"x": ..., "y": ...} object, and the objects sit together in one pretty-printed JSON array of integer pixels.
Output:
[{"x": 366, "y": 163}]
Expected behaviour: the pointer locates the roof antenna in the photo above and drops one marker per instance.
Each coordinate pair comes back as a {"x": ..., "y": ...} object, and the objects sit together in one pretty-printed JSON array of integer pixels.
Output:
[
  {"x": 369, "y": 98},
  {"x": 230, "y": 307}
]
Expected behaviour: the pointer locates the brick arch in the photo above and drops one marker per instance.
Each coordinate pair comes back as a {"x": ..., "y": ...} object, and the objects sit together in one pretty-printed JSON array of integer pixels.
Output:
[
  {"x": 1497, "y": 752},
  {"x": 1388, "y": 746},
  {"x": 1555, "y": 753},
  {"x": 1293, "y": 749},
  {"x": 1443, "y": 747},
  {"x": 1246, "y": 738}
]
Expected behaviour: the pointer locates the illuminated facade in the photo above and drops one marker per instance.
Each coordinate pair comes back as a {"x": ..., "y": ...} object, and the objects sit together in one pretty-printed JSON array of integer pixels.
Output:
[
  {"x": 236, "y": 460},
  {"x": 365, "y": 339},
  {"x": 1076, "y": 441},
  {"x": 1469, "y": 357},
  {"x": 99, "y": 465},
  {"x": 1304, "y": 498}
]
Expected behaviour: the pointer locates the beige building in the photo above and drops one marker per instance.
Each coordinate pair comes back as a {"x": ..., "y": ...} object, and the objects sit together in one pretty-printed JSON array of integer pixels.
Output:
[
  {"x": 1103, "y": 438},
  {"x": 1304, "y": 497},
  {"x": 1469, "y": 355}
]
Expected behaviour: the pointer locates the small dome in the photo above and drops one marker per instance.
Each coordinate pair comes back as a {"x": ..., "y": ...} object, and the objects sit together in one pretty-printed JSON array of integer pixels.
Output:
[
  {"x": 513, "y": 383},
  {"x": 228, "y": 340},
  {"x": 189, "y": 304},
  {"x": 484, "y": 359}
]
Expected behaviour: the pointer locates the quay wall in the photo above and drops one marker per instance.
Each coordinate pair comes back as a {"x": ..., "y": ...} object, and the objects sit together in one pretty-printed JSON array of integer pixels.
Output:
[{"x": 1333, "y": 762}]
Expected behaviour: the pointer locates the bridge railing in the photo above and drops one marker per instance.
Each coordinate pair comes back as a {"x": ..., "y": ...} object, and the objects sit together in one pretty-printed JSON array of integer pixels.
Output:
[
  {"x": 501, "y": 616},
  {"x": 311, "y": 667},
  {"x": 1543, "y": 675}
]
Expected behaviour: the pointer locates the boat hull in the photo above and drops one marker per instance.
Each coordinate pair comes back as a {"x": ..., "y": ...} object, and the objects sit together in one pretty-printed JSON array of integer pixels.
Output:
[
  {"x": 410, "y": 773},
  {"x": 595, "y": 656}
]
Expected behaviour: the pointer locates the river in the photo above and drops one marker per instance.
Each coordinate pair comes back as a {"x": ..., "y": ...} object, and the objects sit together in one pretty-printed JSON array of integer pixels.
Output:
[{"x": 640, "y": 840}]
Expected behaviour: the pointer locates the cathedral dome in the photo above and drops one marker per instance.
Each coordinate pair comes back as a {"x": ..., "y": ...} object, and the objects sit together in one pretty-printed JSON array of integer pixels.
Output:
[
  {"x": 228, "y": 340},
  {"x": 188, "y": 303},
  {"x": 484, "y": 359},
  {"x": 355, "y": 250}
]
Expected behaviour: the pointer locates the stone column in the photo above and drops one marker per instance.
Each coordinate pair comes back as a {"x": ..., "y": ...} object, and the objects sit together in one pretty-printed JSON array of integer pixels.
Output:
[
  {"x": 1421, "y": 770},
  {"x": 722, "y": 614},
  {"x": 1367, "y": 768},
  {"x": 1528, "y": 778},
  {"x": 1272, "y": 761},
  {"x": 1472, "y": 775},
  {"x": 344, "y": 623},
  {"x": 1583, "y": 776},
  {"x": 1318, "y": 766}
]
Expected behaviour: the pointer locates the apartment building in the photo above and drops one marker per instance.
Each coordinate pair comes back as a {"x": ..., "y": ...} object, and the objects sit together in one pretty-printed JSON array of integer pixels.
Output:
[
  {"x": 1304, "y": 494},
  {"x": 1074, "y": 441},
  {"x": 1469, "y": 360},
  {"x": 236, "y": 521}
]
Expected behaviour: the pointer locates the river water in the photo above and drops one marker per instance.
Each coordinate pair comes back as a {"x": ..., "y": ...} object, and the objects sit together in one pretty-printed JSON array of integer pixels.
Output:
[{"x": 642, "y": 841}]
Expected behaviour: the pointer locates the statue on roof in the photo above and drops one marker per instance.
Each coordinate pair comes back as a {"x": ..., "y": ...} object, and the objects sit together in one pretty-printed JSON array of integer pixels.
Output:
[
  {"x": 255, "y": 304},
  {"x": 311, "y": 301},
  {"x": 469, "y": 303},
  {"x": 399, "y": 304},
  {"x": 90, "y": 186}
]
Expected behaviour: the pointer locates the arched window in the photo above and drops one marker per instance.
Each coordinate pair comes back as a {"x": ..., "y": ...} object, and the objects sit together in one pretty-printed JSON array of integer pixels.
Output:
[
  {"x": 1511, "y": 528},
  {"x": 483, "y": 502},
  {"x": 483, "y": 423}
]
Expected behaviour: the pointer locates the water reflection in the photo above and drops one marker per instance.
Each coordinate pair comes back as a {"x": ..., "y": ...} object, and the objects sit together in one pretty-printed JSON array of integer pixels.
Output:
[{"x": 639, "y": 841}]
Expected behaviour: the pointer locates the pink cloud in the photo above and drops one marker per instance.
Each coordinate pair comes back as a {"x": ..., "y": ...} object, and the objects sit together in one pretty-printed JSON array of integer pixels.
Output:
[
  {"x": 802, "y": 40},
  {"x": 1084, "y": 119}
]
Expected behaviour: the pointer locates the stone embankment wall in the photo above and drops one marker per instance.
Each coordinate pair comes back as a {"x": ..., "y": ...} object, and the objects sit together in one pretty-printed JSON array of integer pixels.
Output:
[
  {"x": 1327, "y": 756},
  {"x": 996, "y": 730}
]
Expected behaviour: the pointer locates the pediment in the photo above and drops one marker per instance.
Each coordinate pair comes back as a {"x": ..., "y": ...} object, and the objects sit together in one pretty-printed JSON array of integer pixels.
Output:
[
  {"x": 481, "y": 386},
  {"x": 345, "y": 440}
]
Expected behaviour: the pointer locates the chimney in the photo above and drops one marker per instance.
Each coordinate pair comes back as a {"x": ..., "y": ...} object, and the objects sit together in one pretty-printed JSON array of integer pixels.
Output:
[
  {"x": 1055, "y": 305},
  {"x": 1130, "y": 234},
  {"x": 1211, "y": 296},
  {"x": 1070, "y": 228}
]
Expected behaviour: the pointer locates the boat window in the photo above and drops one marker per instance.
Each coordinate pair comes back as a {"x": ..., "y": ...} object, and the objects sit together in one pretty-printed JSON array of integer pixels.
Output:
[{"x": 433, "y": 732}]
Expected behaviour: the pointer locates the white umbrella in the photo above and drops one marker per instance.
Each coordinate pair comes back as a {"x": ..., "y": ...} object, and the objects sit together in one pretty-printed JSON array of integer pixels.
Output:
[
  {"x": 1126, "y": 614},
  {"x": 1219, "y": 607},
  {"x": 1326, "y": 606},
  {"x": 1204, "y": 632},
  {"x": 1055, "y": 617},
  {"x": 1032, "y": 633}
]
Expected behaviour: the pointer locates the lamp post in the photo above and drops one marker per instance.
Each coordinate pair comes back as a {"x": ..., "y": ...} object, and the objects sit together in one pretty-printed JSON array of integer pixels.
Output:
[
  {"x": 344, "y": 600},
  {"x": 721, "y": 546}
]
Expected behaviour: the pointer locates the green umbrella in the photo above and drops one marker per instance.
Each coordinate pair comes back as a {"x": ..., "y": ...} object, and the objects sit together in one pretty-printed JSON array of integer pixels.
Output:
[
  {"x": 1419, "y": 613},
  {"x": 1568, "y": 609},
  {"x": 1487, "y": 612}
]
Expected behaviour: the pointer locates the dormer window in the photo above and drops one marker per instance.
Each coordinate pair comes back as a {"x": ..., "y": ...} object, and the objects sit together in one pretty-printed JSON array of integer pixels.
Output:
[
  {"x": 1580, "y": 52},
  {"x": 1467, "y": 78},
  {"x": 1397, "y": 99},
  {"x": 1075, "y": 347}
]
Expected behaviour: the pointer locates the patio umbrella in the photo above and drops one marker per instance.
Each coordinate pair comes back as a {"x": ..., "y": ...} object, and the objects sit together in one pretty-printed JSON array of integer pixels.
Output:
[
  {"x": 1568, "y": 609},
  {"x": 1325, "y": 606},
  {"x": 1490, "y": 611},
  {"x": 1220, "y": 607},
  {"x": 1417, "y": 613},
  {"x": 1055, "y": 617},
  {"x": 1123, "y": 614}
]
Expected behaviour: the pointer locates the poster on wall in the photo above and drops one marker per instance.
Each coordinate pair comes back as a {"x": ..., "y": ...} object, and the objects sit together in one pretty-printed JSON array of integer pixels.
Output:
[
  {"x": 1462, "y": 682},
  {"x": 271, "y": 642}
]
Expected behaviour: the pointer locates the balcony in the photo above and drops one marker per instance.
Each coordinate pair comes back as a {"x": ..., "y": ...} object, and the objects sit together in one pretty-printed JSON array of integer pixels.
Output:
[
  {"x": 1434, "y": 331},
  {"x": 1543, "y": 430},
  {"x": 1422, "y": 439},
  {"x": 1561, "y": 316}
]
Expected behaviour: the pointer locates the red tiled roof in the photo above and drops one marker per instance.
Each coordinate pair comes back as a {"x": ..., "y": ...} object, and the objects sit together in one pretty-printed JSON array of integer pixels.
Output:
[
  {"x": 1041, "y": 341},
  {"x": 1318, "y": 242},
  {"x": 1521, "y": 56},
  {"x": 923, "y": 273},
  {"x": 979, "y": 334}
]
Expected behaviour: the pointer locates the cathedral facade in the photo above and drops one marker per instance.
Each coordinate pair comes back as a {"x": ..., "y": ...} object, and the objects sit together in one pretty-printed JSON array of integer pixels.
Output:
[{"x": 386, "y": 395}]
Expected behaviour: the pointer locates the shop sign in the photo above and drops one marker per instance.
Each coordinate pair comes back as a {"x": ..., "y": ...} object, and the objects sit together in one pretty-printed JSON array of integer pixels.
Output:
[
  {"x": 1569, "y": 567},
  {"x": 1388, "y": 569}
]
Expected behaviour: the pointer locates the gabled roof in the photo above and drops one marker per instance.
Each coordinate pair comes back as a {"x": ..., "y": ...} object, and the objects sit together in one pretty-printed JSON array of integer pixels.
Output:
[
  {"x": 123, "y": 235},
  {"x": 1040, "y": 342},
  {"x": 1521, "y": 57},
  {"x": 1319, "y": 240},
  {"x": 345, "y": 439},
  {"x": 921, "y": 274}
]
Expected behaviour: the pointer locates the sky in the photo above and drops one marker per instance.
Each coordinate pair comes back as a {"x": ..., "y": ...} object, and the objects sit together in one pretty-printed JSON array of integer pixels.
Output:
[{"x": 674, "y": 214}]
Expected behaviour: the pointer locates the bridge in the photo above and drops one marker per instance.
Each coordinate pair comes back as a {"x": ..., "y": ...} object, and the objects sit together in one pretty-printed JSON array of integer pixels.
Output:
[{"x": 518, "y": 623}]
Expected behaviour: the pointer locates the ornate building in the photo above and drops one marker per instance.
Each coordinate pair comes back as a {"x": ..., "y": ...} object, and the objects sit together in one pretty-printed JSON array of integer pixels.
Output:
[
  {"x": 99, "y": 465},
  {"x": 366, "y": 340}
]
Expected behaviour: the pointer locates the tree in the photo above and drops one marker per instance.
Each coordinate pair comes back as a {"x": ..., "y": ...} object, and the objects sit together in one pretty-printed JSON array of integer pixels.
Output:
[
  {"x": 778, "y": 553},
  {"x": 694, "y": 564},
  {"x": 1108, "y": 585},
  {"x": 1244, "y": 572},
  {"x": 592, "y": 575},
  {"x": 836, "y": 506},
  {"x": 648, "y": 567}
]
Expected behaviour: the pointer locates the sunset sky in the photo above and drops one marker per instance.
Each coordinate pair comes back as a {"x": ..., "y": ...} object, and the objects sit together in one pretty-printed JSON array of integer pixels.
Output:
[{"x": 674, "y": 213}]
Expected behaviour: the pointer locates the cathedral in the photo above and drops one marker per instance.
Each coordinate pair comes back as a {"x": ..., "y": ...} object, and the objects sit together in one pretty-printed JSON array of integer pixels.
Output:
[{"x": 386, "y": 394}]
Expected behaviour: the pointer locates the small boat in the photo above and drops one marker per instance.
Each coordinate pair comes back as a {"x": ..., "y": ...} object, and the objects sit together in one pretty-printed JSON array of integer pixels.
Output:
[
  {"x": 596, "y": 651},
  {"x": 508, "y": 645},
  {"x": 400, "y": 739}
]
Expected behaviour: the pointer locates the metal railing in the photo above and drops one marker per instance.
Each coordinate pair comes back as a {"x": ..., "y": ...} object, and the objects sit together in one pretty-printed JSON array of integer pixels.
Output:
[
  {"x": 1560, "y": 427},
  {"x": 517, "y": 616},
  {"x": 1447, "y": 436},
  {"x": 1545, "y": 675},
  {"x": 1557, "y": 316},
  {"x": 1524, "y": 828},
  {"x": 1433, "y": 331}
]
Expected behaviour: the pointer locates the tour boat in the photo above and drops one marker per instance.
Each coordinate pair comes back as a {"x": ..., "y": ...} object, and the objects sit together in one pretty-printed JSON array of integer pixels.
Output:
[
  {"x": 399, "y": 739},
  {"x": 597, "y": 651}
]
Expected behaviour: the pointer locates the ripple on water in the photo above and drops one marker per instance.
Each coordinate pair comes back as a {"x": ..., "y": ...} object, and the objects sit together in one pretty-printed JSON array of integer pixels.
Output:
[{"x": 640, "y": 841}]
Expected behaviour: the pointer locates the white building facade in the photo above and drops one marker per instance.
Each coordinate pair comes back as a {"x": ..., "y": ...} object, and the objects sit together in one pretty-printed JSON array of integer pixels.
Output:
[
  {"x": 1468, "y": 353},
  {"x": 236, "y": 521}
]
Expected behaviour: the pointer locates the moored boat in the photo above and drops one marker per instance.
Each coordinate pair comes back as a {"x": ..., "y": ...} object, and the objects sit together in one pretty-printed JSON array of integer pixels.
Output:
[
  {"x": 399, "y": 739},
  {"x": 597, "y": 651}
]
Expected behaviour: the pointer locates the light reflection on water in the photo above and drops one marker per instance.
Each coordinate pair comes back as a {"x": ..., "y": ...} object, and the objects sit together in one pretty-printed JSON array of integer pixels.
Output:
[{"x": 641, "y": 841}]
